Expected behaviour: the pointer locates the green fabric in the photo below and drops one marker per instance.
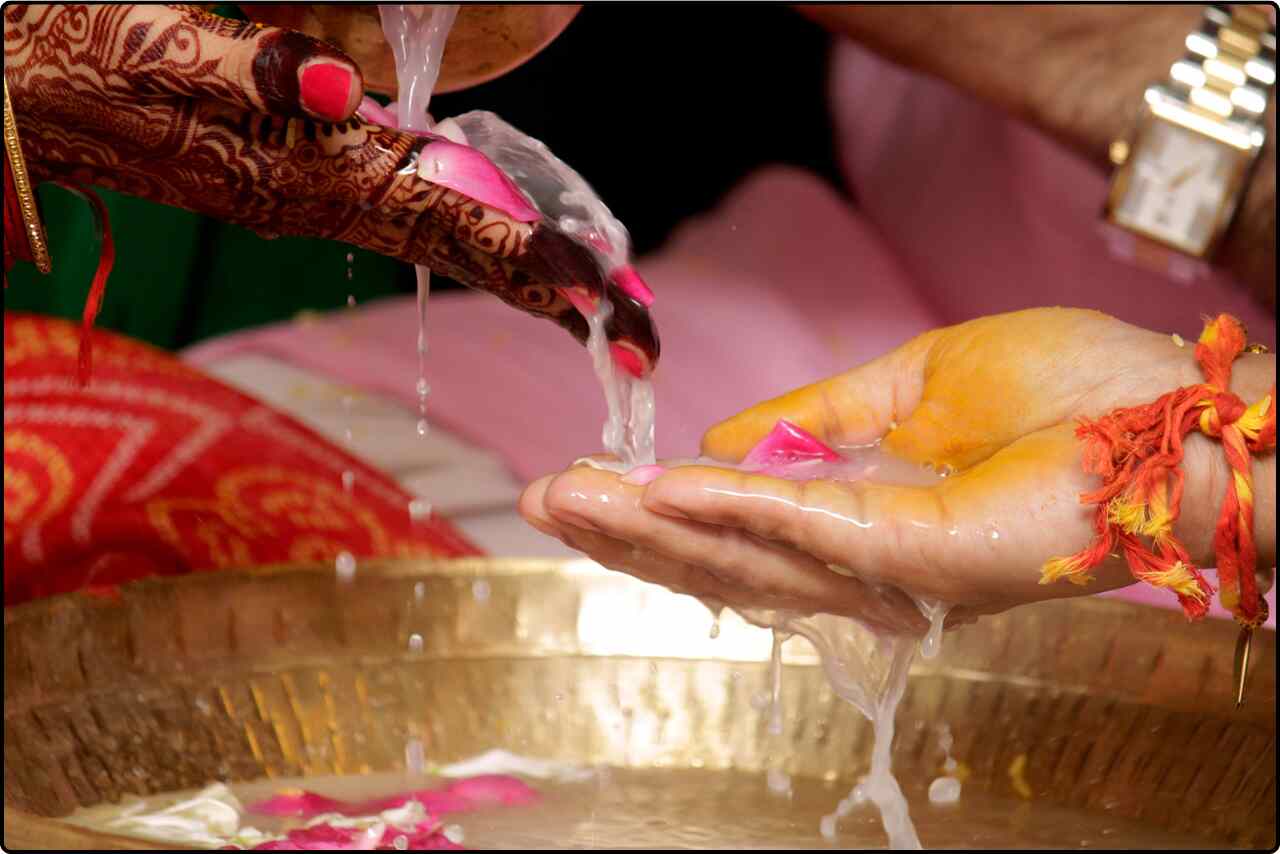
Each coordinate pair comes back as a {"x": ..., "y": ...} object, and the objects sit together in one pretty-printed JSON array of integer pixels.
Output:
[{"x": 179, "y": 277}]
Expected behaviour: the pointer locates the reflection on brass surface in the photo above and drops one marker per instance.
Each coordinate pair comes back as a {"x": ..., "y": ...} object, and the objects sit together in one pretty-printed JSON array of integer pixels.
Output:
[
  {"x": 1120, "y": 709},
  {"x": 487, "y": 40}
]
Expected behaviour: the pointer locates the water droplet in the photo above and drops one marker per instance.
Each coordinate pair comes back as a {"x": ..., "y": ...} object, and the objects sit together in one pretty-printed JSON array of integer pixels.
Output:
[
  {"x": 422, "y": 387},
  {"x": 827, "y": 827},
  {"x": 944, "y": 739},
  {"x": 779, "y": 782},
  {"x": 415, "y": 757},
  {"x": 944, "y": 790},
  {"x": 480, "y": 590},
  {"x": 423, "y": 428},
  {"x": 419, "y": 509},
  {"x": 415, "y": 643},
  {"x": 419, "y": 590},
  {"x": 401, "y": 843},
  {"x": 345, "y": 567},
  {"x": 348, "y": 480},
  {"x": 715, "y": 628},
  {"x": 351, "y": 257}
]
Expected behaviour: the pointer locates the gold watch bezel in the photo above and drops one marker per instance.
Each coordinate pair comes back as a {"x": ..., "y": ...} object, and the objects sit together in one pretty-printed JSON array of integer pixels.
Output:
[{"x": 1160, "y": 106}]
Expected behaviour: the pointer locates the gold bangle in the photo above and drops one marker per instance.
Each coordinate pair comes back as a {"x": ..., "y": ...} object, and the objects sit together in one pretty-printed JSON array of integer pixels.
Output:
[{"x": 26, "y": 195}]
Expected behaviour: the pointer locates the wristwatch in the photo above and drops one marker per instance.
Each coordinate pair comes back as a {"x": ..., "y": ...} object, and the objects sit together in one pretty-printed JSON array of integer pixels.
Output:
[{"x": 1181, "y": 173}]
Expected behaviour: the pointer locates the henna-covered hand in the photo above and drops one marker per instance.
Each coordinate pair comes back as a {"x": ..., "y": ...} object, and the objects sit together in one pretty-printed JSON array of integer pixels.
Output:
[{"x": 254, "y": 125}]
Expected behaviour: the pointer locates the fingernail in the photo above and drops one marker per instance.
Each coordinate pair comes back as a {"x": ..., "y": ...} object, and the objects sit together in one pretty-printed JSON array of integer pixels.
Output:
[
  {"x": 577, "y": 521},
  {"x": 643, "y": 475},
  {"x": 662, "y": 508},
  {"x": 544, "y": 526},
  {"x": 628, "y": 359},
  {"x": 629, "y": 281},
  {"x": 325, "y": 90}
]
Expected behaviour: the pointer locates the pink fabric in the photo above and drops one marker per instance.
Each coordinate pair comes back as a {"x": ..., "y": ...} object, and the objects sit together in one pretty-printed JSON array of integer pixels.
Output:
[
  {"x": 960, "y": 212},
  {"x": 988, "y": 215}
]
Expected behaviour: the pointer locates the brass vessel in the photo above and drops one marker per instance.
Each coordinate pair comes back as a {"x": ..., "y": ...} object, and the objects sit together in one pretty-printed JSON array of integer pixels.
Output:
[
  {"x": 487, "y": 40},
  {"x": 284, "y": 672}
]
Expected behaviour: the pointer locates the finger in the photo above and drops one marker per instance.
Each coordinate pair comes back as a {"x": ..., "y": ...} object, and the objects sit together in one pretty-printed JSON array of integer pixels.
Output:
[
  {"x": 510, "y": 251},
  {"x": 694, "y": 580},
  {"x": 977, "y": 537},
  {"x": 882, "y": 533},
  {"x": 345, "y": 182},
  {"x": 171, "y": 50},
  {"x": 855, "y": 407},
  {"x": 616, "y": 554},
  {"x": 761, "y": 572}
]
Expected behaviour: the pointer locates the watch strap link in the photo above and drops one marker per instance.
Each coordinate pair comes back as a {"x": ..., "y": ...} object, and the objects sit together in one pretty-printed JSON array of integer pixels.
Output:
[{"x": 1229, "y": 69}]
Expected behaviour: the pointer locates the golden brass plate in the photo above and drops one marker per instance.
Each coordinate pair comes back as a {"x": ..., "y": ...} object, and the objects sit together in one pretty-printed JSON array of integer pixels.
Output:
[{"x": 1122, "y": 711}]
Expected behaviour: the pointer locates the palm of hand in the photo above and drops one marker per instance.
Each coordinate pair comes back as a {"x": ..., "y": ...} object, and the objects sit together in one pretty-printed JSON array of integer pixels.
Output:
[{"x": 994, "y": 399}]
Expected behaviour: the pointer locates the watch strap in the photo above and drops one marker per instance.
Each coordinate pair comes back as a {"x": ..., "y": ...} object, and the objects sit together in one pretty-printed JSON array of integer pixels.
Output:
[{"x": 1229, "y": 69}]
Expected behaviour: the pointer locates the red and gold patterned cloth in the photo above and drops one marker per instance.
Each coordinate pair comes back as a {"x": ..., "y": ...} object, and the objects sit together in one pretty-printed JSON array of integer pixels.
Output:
[{"x": 155, "y": 468}]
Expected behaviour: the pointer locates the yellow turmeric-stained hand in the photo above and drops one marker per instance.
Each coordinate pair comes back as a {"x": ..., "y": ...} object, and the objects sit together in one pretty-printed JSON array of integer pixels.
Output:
[{"x": 995, "y": 400}]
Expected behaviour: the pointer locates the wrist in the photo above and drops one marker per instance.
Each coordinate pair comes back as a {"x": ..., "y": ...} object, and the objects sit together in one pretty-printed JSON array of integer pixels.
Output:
[{"x": 1208, "y": 475}]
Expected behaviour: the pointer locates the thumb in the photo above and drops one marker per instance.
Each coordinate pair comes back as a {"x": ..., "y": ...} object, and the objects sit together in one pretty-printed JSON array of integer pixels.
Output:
[
  {"x": 179, "y": 50},
  {"x": 855, "y": 407}
]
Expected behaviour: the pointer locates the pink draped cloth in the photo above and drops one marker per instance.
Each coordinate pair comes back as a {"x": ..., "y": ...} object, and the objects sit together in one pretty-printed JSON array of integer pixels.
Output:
[{"x": 960, "y": 211}]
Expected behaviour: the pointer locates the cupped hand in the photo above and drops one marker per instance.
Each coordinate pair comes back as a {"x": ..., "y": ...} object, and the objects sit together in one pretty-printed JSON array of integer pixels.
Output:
[
  {"x": 994, "y": 401},
  {"x": 254, "y": 125}
]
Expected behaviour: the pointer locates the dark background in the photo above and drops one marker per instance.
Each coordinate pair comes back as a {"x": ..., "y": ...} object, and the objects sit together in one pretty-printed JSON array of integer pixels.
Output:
[
  {"x": 665, "y": 106},
  {"x": 662, "y": 107}
]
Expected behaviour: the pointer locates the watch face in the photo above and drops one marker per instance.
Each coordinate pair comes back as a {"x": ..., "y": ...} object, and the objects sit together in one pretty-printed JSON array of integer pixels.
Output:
[{"x": 1178, "y": 182}]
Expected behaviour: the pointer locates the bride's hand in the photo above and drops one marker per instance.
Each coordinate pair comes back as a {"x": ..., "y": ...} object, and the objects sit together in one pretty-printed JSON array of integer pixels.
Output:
[{"x": 255, "y": 125}]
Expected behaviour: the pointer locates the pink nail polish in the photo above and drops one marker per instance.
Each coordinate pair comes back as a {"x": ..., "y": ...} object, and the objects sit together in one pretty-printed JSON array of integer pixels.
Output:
[
  {"x": 643, "y": 475},
  {"x": 629, "y": 281},
  {"x": 325, "y": 90},
  {"x": 628, "y": 359}
]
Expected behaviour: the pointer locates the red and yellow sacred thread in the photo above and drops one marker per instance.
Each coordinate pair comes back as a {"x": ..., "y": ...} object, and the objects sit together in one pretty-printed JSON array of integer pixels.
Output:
[{"x": 1138, "y": 453}]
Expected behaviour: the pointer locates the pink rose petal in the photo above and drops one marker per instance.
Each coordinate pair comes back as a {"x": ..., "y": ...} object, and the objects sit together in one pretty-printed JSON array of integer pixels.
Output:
[
  {"x": 296, "y": 803},
  {"x": 643, "y": 475},
  {"x": 434, "y": 801},
  {"x": 371, "y": 111},
  {"x": 493, "y": 789},
  {"x": 786, "y": 445},
  {"x": 462, "y": 168}
]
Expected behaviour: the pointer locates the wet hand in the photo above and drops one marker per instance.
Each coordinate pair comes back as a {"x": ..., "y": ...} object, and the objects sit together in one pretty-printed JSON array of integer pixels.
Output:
[
  {"x": 254, "y": 125},
  {"x": 995, "y": 400}
]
